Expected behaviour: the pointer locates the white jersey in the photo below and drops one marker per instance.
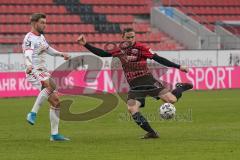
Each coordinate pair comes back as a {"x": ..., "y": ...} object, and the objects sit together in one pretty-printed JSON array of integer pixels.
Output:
[
  {"x": 35, "y": 49},
  {"x": 38, "y": 47}
]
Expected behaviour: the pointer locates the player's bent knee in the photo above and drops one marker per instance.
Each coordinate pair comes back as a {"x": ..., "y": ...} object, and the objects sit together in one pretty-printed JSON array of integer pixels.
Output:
[
  {"x": 54, "y": 100},
  {"x": 133, "y": 106},
  {"x": 49, "y": 85},
  {"x": 57, "y": 103},
  {"x": 131, "y": 102}
]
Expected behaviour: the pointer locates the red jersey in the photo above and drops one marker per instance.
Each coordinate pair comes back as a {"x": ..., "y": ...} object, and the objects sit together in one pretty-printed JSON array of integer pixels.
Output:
[{"x": 134, "y": 60}]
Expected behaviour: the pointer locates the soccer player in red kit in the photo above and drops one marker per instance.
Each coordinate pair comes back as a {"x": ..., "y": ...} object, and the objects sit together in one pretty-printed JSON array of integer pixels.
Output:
[{"x": 133, "y": 56}]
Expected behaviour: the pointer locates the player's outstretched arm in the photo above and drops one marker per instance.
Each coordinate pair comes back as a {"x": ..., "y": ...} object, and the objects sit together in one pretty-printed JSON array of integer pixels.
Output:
[
  {"x": 97, "y": 51},
  {"x": 53, "y": 52},
  {"x": 168, "y": 63}
]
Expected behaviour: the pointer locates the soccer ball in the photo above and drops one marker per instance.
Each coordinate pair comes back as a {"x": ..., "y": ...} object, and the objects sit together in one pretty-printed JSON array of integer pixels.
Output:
[{"x": 167, "y": 111}]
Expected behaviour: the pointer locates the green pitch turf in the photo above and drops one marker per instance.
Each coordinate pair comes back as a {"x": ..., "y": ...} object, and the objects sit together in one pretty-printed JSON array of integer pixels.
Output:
[{"x": 207, "y": 127}]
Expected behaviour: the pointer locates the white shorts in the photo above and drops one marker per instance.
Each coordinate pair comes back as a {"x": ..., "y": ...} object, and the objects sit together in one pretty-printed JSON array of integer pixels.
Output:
[{"x": 36, "y": 78}]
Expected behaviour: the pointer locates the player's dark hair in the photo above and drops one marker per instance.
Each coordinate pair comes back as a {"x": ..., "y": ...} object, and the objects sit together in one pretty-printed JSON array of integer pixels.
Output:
[
  {"x": 36, "y": 16},
  {"x": 127, "y": 30}
]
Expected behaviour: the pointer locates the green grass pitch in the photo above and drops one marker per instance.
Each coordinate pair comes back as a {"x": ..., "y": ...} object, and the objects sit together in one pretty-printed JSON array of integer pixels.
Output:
[{"x": 207, "y": 128}]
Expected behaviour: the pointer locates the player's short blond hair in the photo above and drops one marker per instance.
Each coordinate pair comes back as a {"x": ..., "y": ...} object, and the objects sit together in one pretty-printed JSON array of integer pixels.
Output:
[{"x": 36, "y": 16}]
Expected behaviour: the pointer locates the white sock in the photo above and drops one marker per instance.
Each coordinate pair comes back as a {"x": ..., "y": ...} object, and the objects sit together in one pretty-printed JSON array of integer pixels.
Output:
[
  {"x": 54, "y": 114},
  {"x": 42, "y": 96}
]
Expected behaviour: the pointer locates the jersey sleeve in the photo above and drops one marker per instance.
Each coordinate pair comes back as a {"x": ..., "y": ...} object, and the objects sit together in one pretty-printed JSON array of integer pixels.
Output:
[
  {"x": 97, "y": 51},
  {"x": 112, "y": 49},
  {"x": 53, "y": 52},
  {"x": 146, "y": 51},
  {"x": 28, "y": 44},
  {"x": 28, "y": 48},
  {"x": 148, "y": 54},
  {"x": 114, "y": 52},
  {"x": 28, "y": 57}
]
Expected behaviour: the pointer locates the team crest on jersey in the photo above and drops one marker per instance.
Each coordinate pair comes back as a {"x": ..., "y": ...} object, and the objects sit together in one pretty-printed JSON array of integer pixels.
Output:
[
  {"x": 134, "y": 51},
  {"x": 132, "y": 58},
  {"x": 133, "y": 55}
]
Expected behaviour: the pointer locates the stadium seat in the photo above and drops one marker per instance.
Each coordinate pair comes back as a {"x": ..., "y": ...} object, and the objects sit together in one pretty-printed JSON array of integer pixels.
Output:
[
  {"x": 208, "y": 12},
  {"x": 101, "y": 21},
  {"x": 120, "y": 18},
  {"x": 116, "y": 2}
]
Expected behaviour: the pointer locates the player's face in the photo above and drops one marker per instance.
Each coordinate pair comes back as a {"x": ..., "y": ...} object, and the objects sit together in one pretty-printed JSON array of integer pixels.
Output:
[
  {"x": 40, "y": 25},
  {"x": 129, "y": 37}
]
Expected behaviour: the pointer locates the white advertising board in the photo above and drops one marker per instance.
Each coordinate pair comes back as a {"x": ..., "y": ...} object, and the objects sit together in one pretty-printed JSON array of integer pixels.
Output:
[
  {"x": 193, "y": 58},
  {"x": 229, "y": 58}
]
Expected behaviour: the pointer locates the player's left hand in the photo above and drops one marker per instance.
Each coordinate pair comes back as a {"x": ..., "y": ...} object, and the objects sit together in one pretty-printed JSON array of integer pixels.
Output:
[
  {"x": 184, "y": 69},
  {"x": 66, "y": 56}
]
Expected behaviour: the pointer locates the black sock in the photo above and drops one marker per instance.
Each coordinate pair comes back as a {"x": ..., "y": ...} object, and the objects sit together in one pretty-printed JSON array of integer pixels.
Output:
[
  {"x": 142, "y": 122},
  {"x": 178, "y": 92}
]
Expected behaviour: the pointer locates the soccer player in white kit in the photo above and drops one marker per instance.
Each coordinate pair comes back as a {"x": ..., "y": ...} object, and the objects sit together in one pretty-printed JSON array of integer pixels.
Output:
[{"x": 35, "y": 49}]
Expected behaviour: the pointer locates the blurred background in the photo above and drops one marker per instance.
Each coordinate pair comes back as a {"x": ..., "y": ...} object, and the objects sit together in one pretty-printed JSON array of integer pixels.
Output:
[
  {"x": 194, "y": 33},
  {"x": 201, "y": 34},
  {"x": 213, "y": 23}
]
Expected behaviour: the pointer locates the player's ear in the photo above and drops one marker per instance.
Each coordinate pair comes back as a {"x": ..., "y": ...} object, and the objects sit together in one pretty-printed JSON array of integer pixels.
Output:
[{"x": 123, "y": 34}]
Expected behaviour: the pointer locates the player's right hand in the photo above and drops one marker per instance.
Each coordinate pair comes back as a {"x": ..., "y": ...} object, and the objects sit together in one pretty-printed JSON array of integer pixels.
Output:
[
  {"x": 184, "y": 69},
  {"x": 29, "y": 69},
  {"x": 66, "y": 56},
  {"x": 82, "y": 40}
]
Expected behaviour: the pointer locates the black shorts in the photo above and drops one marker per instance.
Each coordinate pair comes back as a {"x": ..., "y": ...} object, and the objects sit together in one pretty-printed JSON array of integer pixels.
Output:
[{"x": 144, "y": 86}]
